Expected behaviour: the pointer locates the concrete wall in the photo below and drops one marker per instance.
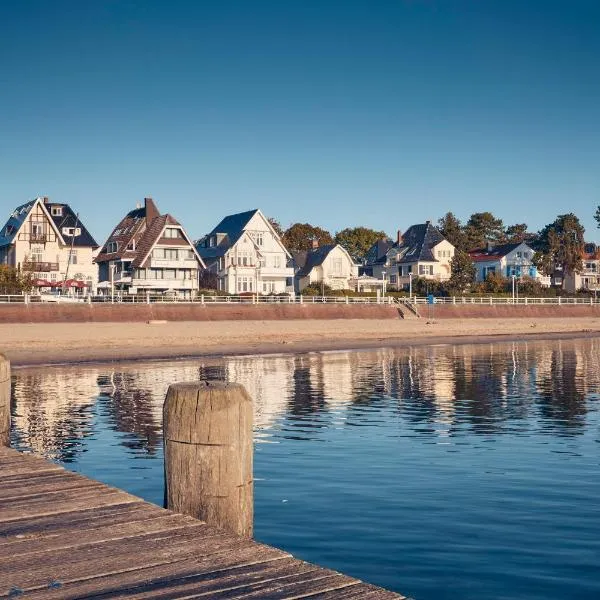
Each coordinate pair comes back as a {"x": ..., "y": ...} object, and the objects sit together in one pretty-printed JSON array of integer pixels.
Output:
[{"x": 80, "y": 313}]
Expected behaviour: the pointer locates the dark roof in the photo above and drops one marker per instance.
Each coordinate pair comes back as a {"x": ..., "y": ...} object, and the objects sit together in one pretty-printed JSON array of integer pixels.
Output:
[
  {"x": 67, "y": 219},
  {"x": 417, "y": 243},
  {"x": 312, "y": 259},
  {"x": 16, "y": 219},
  {"x": 151, "y": 236},
  {"x": 377, "y": 252},
  {"x": 493, "y": 252},
  {"x": 231, "y": 228},
  {"x": 70, "y": 219},
  {"x": 130, "y": 228}
]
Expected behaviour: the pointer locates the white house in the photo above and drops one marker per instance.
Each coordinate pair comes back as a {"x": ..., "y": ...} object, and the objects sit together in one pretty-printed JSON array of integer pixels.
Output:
[
  {"x": 330, "y": 265},
  {"x": 506, "y": 260},
  {"x": 149, "y": 253},
  {"x": 421, "y": 252},
  {"x": 246, "y": 255},
  {"x": 49, "y": 240},
  {"x": 588, "y": 279}
]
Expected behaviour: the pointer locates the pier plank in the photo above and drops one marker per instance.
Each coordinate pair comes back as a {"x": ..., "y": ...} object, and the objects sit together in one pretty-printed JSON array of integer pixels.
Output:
[{"x": 64, "y": 536}]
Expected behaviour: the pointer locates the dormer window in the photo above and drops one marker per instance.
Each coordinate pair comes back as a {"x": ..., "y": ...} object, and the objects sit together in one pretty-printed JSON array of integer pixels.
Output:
[
  {"x": 131, "y": 245},
  {"x": 173, "y": 232},
  {"x": 56, "y": 211},
  {"x": 212, "y": 242},
  {"x": 71, "y": 231},
  {"x": 112, "y": 247}
]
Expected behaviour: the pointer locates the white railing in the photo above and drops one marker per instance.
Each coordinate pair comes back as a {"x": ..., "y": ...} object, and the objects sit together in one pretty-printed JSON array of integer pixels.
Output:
[{"x": 300, "y": 299}]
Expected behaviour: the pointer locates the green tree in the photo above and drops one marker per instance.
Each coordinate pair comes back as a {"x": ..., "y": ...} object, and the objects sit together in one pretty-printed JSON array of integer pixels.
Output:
[
  {"x": 517, "y": 233},
  {"x": 597, "y": 216},
  {"x": 300, "y": 236},
  {"x": 15, "y": 281},
  {"x": 358, "y": 240},
  {"x": 452, "y": 229},
  {"x": 482, "y": 228},
  {"x": 462, "y": 272},
  {"x": 560, "y": 245}
]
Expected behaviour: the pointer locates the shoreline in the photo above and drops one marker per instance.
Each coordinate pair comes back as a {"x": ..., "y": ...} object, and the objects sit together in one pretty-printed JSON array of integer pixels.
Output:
[{"x": 51, "y": 344}]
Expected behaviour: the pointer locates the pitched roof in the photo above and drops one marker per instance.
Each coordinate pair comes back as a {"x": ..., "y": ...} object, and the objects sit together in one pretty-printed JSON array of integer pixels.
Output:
[
  {"x": 231, "y": 228},
  {"x": 417, "y": 243},
  {"x": 493, "y": 252},
  {"x": 312, "y": 258},
  {"x": 377, "y": 252},
  {"x": 16, "y": 219},
  {"x": 70, "y": 219}
]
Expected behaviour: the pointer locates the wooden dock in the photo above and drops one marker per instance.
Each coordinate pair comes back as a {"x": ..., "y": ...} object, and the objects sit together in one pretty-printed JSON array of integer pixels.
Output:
[{"x": 64, "y": 536}]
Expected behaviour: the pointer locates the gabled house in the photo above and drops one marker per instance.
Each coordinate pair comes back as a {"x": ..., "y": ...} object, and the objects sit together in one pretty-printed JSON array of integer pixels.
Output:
[
  {"x": 149, "y": 253},
  {"x": 330, "y": 265},
  {"x": 588, "y": 279},
  {"x": 49, "y": 240},
  {"x": 421, "y": 252},
  {"x": 246, "y": 255},
  {"x": 506, "y": 260}
]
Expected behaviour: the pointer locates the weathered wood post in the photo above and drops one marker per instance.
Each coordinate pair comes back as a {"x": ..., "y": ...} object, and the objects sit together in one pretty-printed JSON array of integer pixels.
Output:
[
  {"x": 4, "y": 401},
  {"x": 208, "y": 453}
]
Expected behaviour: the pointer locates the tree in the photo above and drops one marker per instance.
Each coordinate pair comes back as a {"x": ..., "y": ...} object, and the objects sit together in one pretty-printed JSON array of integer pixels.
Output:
[
  {"x": 597, "y": 216},
  {"x": 452, "y": 229},
  {"x": 15, "y": 281},
  {"x": 358, "y": 240},
  {"x": 560, "y": 245},
  {"x": 462, "y": 272},
  {"x": 517, "y": 233},
  {"x": 276, "y": 225},
  {"x": 300, "y": 236},
  {"x": 482, "y": 228}
]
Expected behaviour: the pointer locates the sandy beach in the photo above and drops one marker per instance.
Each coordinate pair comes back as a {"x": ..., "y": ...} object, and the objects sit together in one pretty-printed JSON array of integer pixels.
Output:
[{"x": 48, "y": 343}]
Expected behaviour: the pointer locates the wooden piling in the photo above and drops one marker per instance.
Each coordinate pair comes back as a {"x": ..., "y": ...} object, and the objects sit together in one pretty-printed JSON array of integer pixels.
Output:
[
  {"x": 4, "y": 401},
  {"x": 208, "y": 454}
]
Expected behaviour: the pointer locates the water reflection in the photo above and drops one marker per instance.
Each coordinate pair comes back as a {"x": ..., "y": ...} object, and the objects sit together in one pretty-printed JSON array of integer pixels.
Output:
[{"x": 436, "y": 390}]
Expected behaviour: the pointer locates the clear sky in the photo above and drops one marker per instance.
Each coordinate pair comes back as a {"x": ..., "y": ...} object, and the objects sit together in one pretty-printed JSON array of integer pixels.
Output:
[{"x": 343, "y": 113}]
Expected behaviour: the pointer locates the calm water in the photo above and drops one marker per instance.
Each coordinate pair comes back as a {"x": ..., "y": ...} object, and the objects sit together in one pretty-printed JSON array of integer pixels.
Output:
[{"x": 461, "y": 472}]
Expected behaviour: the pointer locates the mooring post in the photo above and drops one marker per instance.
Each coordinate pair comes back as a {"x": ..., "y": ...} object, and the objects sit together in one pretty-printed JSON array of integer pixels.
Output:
[
  {"x": 4, "y": 401},
  {"x": 208, "y": 454}
]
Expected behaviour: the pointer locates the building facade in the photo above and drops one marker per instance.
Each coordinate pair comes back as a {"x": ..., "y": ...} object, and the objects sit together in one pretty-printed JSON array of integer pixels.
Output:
[
  {"x": 588, "y": 278},
  {"x": 246, "y": 255},
  {"x": 421, "y": 252},
  {"x": 149, "y": 253},
  {"x": 49, "y": 240},
  {"x": 330, "y": 265},
  {"x": 506, "y": 260}
]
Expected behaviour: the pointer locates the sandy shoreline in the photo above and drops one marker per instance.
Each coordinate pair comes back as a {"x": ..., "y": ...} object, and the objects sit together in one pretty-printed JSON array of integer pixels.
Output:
[{"x": 52, "y": 343}]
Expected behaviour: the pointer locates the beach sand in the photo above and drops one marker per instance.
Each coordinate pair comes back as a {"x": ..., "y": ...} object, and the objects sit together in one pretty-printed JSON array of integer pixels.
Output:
[{"x": 48, "y": 343}]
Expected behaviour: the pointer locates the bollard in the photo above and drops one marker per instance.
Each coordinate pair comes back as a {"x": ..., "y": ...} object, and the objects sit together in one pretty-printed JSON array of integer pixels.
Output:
[
  {"x": 4, "y": 401},
  {"x": 208, "y": 454}
]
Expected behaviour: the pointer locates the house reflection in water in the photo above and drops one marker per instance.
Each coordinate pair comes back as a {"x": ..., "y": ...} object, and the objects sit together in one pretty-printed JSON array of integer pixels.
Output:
[{"x": 434, "y": 389}]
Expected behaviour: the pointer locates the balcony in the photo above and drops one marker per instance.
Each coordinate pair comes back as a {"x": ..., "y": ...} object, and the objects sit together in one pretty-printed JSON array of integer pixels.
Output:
[{"x": 42, "y": 267}]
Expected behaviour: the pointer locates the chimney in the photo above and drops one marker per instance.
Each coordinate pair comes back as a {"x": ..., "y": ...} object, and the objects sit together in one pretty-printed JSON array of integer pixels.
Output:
[
  {"x": 399, "y": 237},
  {"x": 489, "y": 246},
  {"x": 315, "y": 243},
  {"x": 45, "y": 199},
  {"x": 151, "y": 210}
]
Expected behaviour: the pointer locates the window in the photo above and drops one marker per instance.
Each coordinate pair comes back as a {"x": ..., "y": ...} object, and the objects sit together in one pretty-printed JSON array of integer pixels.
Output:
[
  {"x": 37, "y": 254},
  {"x": 72, "y": 257},
  {"x": 337, "y": 266},
  {"x": 131, "y": 245},
  {"x": 268, "y": 287},
  {"x": 56, "y": 211},
  {"x": 165, "y": 254},
  {"x": 221, "y": 262},
  {"x": 112, "y": 247},
  {"x": 244, "y": 284},
  {"x": 169, "y": 274},
  {"x": 425, "y": 269},
  {"x": 53, "y": 276},
  {"x": 257, "y": 237},
  {"x": 173, "y": 232},
  {"x": 277, "y": 261},
  {"x": 212, "y": 241},
  {"x": 140, "y": 274},
  {"x": 393, "y": 279},
  {"x": 71, "y": 231}
]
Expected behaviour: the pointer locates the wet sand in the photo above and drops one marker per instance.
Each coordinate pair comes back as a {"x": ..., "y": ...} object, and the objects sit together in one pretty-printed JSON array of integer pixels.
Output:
[{"x": 59, "y": 343}]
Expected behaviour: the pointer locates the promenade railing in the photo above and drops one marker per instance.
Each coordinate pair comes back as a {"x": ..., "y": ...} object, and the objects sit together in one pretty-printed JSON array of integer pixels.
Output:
[{"x": 300, "y": 299}]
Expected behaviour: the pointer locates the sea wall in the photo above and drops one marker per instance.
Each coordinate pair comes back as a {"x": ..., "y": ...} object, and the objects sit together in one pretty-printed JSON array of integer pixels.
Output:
[
  {"x": 104, "y": 313},
  {"x": 82, "y": 313}
]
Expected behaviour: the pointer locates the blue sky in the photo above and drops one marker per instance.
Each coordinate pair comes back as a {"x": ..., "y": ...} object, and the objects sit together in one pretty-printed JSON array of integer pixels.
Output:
[{"x": 341, "y": 113}]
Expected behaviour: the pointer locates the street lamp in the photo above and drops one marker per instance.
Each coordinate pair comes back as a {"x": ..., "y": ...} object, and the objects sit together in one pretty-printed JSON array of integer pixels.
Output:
[
  {"x": 383, "y": 273},
  {"x": 513, "y": 288},
  {"x": 410, "y": 286}
]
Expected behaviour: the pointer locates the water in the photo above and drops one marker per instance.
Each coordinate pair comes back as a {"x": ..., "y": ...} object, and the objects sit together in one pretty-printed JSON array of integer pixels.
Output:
[{"x": 461, "y": 472}]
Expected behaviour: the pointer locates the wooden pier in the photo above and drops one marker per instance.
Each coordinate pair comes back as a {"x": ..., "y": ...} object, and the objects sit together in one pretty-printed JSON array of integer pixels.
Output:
[{"x": 64, "y": 536}]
